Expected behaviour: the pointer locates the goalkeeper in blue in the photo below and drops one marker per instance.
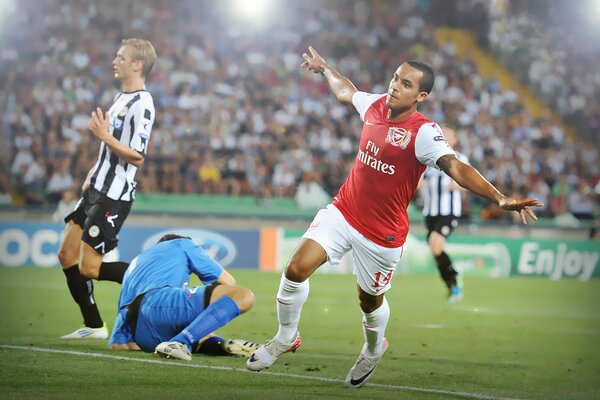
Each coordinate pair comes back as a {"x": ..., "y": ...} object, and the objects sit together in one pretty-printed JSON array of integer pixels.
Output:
[{"x": 158, "y": 311}]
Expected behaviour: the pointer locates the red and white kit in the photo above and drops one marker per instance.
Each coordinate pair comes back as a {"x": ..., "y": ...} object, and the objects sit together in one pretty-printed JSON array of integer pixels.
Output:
[{"x": 373, "y": 201}]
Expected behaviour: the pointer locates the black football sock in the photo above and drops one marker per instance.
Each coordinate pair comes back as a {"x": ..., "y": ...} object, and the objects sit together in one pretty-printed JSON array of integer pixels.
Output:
[
  {"x": 447, "y": 272},
  {"x": 112, "y": 271},
  {"x": 212, "y": 346},
  {"x": 82, "y": 291}
]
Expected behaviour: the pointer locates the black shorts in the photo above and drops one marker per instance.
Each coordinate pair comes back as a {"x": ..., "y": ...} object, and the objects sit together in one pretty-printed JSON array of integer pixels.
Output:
[
  {"x": 442, "y": 224},
  {"x": 100, "y": 218}
]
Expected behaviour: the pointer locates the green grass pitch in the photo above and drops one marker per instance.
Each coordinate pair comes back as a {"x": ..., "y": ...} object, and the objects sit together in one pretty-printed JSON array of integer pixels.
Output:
[{"x": 517, "y": 338}]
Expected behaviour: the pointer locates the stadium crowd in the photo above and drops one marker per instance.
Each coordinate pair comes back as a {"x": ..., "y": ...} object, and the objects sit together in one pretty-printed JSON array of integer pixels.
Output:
[
  {"x": 237, "y": 116},
  {"x": 559, "y": 59}
]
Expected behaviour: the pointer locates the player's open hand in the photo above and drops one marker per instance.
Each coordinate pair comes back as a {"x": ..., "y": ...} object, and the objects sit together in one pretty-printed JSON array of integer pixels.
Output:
[
  {"x": 99, "y": 123},
  {"x": 521, "y": 206},
  {"x": 313, "y": 62}
]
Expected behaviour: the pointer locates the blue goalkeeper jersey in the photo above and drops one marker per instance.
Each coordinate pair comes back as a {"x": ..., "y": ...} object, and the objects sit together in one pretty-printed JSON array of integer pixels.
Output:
[{"x": 169, "y": 263}]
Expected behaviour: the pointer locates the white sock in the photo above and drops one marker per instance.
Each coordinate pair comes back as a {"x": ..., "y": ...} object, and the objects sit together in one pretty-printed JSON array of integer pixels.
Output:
[
  {"x": 290, "y": 299},
  {"x": 374, "y": 325}
]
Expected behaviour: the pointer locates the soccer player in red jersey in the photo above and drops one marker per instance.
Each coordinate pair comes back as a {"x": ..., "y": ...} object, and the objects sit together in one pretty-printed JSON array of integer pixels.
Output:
[{"x": 369, "y": 215}]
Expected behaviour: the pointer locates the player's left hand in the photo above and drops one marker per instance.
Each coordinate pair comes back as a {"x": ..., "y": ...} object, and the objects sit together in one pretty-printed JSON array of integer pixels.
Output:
[
  {"x": 99, "y": 123},
  {"x": 521, "y": 206},
  {"x": 313, "y": 62}
]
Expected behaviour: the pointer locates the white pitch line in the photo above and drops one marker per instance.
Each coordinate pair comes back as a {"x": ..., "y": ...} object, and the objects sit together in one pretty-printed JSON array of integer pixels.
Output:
[
  {"x": 529, "y": 312},
  {"x": 428, "y": 326},
  {"x": 468, "y": 395}
]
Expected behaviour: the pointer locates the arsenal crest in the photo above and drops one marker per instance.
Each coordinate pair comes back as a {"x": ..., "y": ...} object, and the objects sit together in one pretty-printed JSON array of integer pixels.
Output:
[{"x": 399, "y": 137}]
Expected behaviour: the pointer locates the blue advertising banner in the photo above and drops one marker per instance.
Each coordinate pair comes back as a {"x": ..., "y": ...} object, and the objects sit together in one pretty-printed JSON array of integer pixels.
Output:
[{"x": 37, "y": 244}]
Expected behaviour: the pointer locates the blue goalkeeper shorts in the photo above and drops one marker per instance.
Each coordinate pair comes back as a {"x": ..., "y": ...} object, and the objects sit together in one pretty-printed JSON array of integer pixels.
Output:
[{"x": 164, "y": 312}]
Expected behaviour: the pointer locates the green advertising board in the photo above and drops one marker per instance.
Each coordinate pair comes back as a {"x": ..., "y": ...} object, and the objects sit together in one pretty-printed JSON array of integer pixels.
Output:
[{"x": 492, "y": 256}]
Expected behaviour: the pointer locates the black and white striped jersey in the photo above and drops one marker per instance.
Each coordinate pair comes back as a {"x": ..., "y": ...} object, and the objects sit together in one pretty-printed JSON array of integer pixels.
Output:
[
  {"x": 131, "y": 119},
  {"x": 438, "y": 197}
]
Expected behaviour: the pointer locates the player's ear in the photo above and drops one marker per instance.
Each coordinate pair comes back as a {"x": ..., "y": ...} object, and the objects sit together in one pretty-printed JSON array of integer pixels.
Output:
[
  {"x": 422, "y": 96},
  {"x": 138, "y": 65}
]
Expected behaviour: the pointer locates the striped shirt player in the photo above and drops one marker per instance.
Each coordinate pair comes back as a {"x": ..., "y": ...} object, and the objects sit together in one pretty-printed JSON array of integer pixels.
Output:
[
  {"x": 109, "y": 189},
  {"x": 131, "y": 119},
  {"x": 442, "y": 207},
  {"x": 112, "y": 180},
  {"x": 441, "y": 196}
]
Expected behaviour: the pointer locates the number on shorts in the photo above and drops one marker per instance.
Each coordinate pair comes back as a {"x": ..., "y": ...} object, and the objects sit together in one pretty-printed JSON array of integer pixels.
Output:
[{"x": 382, "y": 282}]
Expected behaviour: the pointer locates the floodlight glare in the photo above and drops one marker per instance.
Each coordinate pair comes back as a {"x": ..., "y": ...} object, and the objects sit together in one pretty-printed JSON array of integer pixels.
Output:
[
  {"x": 7, "y": 7},
  {"x": 596, "y": 8},
  {"x": 256, "y": 12}
]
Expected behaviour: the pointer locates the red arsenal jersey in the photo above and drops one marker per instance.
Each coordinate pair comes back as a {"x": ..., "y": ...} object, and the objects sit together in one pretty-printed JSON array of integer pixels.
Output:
[{"x": 390, "y": 161}]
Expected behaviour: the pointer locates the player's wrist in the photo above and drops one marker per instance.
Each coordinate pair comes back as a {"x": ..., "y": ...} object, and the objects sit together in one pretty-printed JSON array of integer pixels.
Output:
[{"x": 501, "y": 200}]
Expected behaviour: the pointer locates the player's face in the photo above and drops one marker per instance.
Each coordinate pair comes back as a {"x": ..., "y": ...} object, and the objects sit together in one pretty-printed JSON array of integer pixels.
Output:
[
  {"x": 404, "y": 89},
  {"x": 124, "y": 66}
]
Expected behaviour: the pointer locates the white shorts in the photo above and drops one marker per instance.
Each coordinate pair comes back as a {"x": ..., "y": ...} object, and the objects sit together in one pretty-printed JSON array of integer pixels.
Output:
[{"x": 374, "y": 265}]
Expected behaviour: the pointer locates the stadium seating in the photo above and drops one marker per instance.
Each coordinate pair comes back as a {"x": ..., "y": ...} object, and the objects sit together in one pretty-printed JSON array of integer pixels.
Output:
[{"x": 235, "y": 115}]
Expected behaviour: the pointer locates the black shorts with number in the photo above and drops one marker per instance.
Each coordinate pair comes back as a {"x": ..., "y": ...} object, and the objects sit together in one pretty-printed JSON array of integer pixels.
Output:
[
  {"x": 442, "y": 224},
  {"x": 100, "y": 218}
]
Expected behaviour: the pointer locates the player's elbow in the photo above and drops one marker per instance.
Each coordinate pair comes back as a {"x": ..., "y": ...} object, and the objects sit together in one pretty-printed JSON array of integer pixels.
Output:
[
  {"x": 342, "y": 99},
  {"x": 345, "y": 97},
  {"x": 138, "y": 161}
]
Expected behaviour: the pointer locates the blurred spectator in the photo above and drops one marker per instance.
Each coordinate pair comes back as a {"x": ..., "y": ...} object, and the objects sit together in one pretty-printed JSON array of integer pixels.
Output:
[
  {"x": 236, "y": 116},
  {"x": 560, "y": 193},
  {"x": 234, "y": 176},
  {"x": 66, "y": 205},
  {"x": 5, "y": 196},
  {"x": 538, "y": 189},
  {"x": 309, "y": 193},
  {"x": 284, "y": 179},
  {"x": 60, "y": 181},
  {"x": 553, "y": 47},
  {"x": 582, "y": 201},
  {"x": 210, "y": 175}
]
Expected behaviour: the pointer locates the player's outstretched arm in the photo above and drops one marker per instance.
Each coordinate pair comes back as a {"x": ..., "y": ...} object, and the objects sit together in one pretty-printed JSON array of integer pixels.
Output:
[
  {"x": 98, "y": 124},
  {"x": 469, "y": 178},
  {"x": 342, "y": 87}
]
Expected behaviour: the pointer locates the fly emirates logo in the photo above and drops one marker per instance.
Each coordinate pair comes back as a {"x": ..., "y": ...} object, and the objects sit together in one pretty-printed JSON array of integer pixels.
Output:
[{"x": 369, "y": 157}]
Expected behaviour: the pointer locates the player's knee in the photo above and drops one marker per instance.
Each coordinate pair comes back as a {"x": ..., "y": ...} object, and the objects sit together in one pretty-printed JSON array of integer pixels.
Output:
[
  {"x": 244, "y": 298},
  {"x": 369, "y": 303},
  {"x": 296, "y": 271},
  {"x": 89, "y": 270},
  {"x": 436, "y": 250},
  {"x": 67, "y": 257},
  {"x": 369, "y": 306},
  {"x": 436, "y": 244}
]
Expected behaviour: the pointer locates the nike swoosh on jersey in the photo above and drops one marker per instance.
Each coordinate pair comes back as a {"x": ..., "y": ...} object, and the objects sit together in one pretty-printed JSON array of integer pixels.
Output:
[{"x": 369, "y": 123}]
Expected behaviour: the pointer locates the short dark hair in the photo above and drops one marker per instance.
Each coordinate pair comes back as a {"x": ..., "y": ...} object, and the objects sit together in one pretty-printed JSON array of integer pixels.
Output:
[
  {"x": 171, "y": 236},
  {"x": 428, "y": 77}
]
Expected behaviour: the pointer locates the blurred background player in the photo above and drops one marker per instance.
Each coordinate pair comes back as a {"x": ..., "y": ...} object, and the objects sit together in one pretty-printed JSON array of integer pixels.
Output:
[
  {"x": 109, "y": 189},
  {"x": 369, "y": 213},
  {"x": 159, "y": 312},
  {"x": 442, "y": 208}
]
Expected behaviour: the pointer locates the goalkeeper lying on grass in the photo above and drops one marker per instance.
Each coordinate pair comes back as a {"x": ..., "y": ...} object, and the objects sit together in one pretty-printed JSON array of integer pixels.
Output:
[{"x": 158, "y": 311}]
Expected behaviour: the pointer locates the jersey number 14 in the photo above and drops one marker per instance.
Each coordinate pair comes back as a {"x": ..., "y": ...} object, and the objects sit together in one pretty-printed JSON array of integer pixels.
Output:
[{"x": 381, "y": 280}]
